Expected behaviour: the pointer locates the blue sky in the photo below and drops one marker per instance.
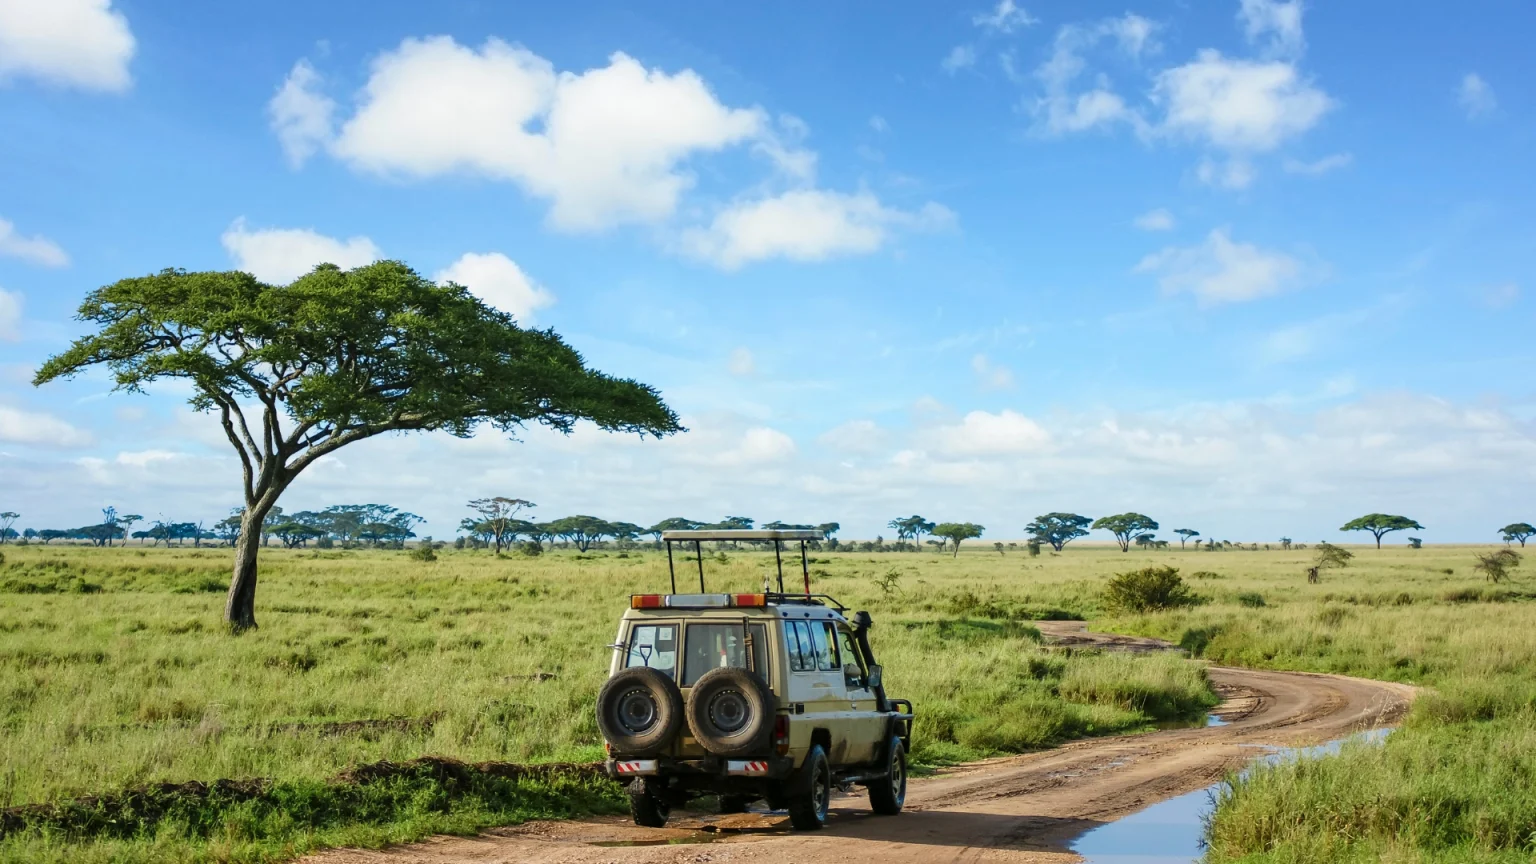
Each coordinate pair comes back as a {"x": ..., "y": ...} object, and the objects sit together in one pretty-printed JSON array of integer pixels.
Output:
[{"x": 1251, "y": 267}]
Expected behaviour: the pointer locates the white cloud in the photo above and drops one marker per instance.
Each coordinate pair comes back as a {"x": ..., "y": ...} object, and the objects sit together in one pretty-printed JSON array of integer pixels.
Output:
[
  {"x": 878, "y": 124},
  {"x": 1237, "y": 105},
  {"x": 499, "y": 282},
  {"x": 1221, "y": 271},
  {"x": 759, "y": 445},
  {"x": 302, "y": 116},
  {"x": 281, "y": 255},
  {"x": 1476, "y": 96},
  {"x": 1274, "y": 25},
  {"x": 990, "y": 375},
  {"x": 1134, "y": 34},
  {"x": 1005, "y": 17},
  {"x": 1064, "y": 108},
  {"x": 741, "y": 363},
  {"x": 804, "y": 225},
  {"x": 1332, "y": 162},
  {"x": 1156, "y": 220},
  {"x": 1233, "y": 173},
  {"x": 74, "y": 43},
  {"x": 605, "y": 146},
  {"x": 11, "y": 304},
  {"x": 36, "y": 249},
  {"x": 982, "y": 433},
  {"x": 40, "y": 430},
  {"x": 959, "y": 57}
]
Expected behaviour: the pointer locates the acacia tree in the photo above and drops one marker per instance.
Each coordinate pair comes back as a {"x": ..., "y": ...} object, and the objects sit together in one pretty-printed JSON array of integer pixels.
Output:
[
  {"x": 7, "y": 519},
  {"x": 1125, "y": 527},
  {"x": 955, "y": 532},
  {"x": 497, "y": 516},
  {"x": 1185, "y": 534},
  {"x": 676, "y": 523},
  {"x": 1058, "y": 529},
  {"x": 297, "y": 372},
  {"x": 1521, "y": 531},
  {"x": 582, "y": 531},
  {"x": 1380, "y": 524}
]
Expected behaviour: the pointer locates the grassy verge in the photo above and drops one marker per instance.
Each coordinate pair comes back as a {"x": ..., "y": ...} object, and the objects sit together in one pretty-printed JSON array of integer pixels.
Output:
[{"x": 114, "y": 675}]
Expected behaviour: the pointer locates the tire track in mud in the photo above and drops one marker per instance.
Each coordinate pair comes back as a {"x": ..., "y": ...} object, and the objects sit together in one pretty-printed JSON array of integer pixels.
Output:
[{"x": 1022, "y": 809}]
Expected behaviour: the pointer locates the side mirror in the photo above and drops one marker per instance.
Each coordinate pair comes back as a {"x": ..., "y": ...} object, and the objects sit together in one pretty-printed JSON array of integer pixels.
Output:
[{"x": 875, "y": 676}]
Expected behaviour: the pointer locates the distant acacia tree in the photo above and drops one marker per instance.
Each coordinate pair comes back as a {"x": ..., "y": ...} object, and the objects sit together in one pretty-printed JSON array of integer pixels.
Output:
[
  {"x": 1125, "y": 526},
  {"x": 126, "y": 522},
  {"x": 912, "y": 528},
  {"x": 334, "y": 358},
  {"x": 1380, "y": 524},
  {"x": 1147, "y": 541},
  {"x": 676, "y": 523},
  {"x": 1328, "y": 555},
  {"x": 7, "y": 519},
  {"x": 1285, "y": 543},
  {"x": 1185, "y": 534},
  {"x": 1058, "y": 529},
  {"x": 956, "y": 532},
  {"x": 1521, "y": 531},
  {"x": 496, "y": 518},
  {"x": 580, "y": 531}
]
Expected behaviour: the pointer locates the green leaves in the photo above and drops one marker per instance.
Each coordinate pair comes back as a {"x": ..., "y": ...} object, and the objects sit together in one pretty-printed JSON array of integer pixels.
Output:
[
  {"x": 1058, "y": 529},
  {"x": 1125, "y": 527},
  {"x": 1380, "y": 524}
]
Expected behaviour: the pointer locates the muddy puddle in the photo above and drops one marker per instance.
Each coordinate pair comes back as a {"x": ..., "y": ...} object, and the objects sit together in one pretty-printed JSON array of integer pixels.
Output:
[{"x": 1173, "y": 831}]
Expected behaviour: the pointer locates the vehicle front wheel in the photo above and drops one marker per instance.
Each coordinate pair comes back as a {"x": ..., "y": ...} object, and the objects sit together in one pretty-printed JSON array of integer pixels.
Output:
[
  {"x": 649, "y": 810},
  {"x": 887, "y": 795},
  {"x": 811, "y": 795}
]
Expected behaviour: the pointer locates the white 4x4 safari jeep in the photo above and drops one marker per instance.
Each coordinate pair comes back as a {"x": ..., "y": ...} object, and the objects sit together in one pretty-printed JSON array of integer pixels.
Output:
[{"x": 750, "y": 696}]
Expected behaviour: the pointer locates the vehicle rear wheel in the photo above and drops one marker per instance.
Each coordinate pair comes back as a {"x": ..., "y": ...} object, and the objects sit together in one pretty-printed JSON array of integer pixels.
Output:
[
  {"x": 811, "y": 794},
  {"x": 730, "y": 711},
  {"x": 888, "y": 794},
  {"x": 648, "y": 808},
  {"x": 639, "y": 711}
]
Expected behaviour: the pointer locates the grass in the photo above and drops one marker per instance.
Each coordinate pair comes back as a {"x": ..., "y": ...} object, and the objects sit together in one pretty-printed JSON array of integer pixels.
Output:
[{"x": 115, "y": 676}]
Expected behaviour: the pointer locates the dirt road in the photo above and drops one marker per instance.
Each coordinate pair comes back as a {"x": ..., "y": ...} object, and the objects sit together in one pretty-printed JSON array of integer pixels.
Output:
[{"x": 1015, "y": 809}]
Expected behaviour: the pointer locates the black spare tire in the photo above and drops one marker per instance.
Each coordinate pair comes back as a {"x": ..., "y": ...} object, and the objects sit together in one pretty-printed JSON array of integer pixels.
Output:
[
  {"x": 730, "y": 712},
  {"x": 639, "y": 711}
]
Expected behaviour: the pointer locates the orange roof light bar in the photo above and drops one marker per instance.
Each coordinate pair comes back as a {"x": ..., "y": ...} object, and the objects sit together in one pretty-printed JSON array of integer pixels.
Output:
[
  {"x": 647, "y": 601},
  {"x": 749, "y": 600},
  {"x": 697, "y": 601}
]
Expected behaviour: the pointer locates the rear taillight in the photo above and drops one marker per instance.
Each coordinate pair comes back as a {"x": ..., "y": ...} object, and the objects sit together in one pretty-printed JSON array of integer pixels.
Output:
[{"x": 781, "y": 734}]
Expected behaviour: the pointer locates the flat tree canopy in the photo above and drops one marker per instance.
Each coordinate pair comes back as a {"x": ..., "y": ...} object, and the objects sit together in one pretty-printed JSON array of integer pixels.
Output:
[
  {"x": 1058, "y": 529},
  {"x": 299, "y": 371},
  {"x": 1380, "y": 524},
  {"x": 955, "y": 532},
  {"x": 1125, "y": 527},
  {"x": 1521, "y": 531}
]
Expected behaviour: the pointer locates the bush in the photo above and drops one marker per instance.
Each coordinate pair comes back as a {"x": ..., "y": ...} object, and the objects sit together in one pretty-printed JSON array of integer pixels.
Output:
[
  {"x": 423, "y": 552},
  {"x": 530, "y": 548},
  {"x": 1251, "y": 599},
  {"x": 1148, "y": 590}
]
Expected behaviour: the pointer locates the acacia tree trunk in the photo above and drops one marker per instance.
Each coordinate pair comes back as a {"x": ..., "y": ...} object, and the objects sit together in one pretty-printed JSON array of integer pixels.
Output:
[{"x": 240, "y": 604}]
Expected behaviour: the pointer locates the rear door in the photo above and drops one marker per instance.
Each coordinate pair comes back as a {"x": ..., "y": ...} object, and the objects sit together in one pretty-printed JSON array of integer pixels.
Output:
[
  {"x": 867, "y": 725},
  {"x": 818, "y": 686}
]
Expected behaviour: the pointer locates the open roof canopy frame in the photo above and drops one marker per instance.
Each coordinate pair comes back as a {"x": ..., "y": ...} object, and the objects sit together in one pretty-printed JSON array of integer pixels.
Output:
[{"x": 697, "y": 538}]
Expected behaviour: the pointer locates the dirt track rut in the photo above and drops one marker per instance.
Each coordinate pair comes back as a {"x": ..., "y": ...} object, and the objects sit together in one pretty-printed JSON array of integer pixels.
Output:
[{"x": 1016, "y": 809}]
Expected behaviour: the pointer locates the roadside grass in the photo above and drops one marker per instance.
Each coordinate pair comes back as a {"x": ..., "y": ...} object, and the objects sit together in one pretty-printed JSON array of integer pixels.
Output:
[{"x": 115, "y": 675}]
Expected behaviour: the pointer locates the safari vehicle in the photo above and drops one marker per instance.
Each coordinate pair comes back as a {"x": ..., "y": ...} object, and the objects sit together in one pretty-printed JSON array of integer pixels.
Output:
[{"x": 771, "y": 695}]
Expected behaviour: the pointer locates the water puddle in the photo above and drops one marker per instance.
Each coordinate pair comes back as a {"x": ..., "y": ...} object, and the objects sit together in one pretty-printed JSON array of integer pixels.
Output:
[
  {"x": 1198, "y": 723},
  {"x": 1173, "y": 831}
]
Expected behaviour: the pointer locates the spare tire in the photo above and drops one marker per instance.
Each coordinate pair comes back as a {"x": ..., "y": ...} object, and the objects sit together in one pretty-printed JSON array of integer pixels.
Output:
[
  {"x": 639, "y": 711},
  {"x": 730, "y": 712}
]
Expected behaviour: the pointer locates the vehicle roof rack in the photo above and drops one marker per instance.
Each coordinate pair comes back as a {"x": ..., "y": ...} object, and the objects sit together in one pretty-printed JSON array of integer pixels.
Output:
[
  {"x": 697, "y": 537},
  {"x": 729, "y": 534}
]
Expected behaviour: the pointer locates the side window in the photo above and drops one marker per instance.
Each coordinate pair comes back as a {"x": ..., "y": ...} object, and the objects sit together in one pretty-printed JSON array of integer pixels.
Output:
[
  {"x": 792, "y": 647},
  {"x": 653, "y": 645},
  {"x": 804, "y": 641},
  {"x": 826, "y": 646},
  {"x": 851, "y": 652}
]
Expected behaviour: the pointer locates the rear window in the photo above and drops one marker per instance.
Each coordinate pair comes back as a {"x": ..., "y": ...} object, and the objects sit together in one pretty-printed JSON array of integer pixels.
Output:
[
  {"x": 653, "y": 645},
  {"x": 713, "y": 645}
]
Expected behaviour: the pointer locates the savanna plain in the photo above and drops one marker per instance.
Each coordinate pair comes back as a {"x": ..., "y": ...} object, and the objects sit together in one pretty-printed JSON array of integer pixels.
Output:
[{"x": 385, "y": 698}]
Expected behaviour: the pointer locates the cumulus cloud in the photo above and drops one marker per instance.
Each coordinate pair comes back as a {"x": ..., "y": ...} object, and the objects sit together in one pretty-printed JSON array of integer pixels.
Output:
[
  {"x": 73, "y": 43},
  {"x": 499, "y": 282},
  {"x": 959, "y": 57},
  {"x": 1237, "y": 105},
  {"x": 36, "y": 249},
  {"x": 1232, "y": 173},
  {"x": 855, "y": 436},
  {"x": 38, "y": 430},
  {"x": 1066, "y": 107},
  {"x": 302, "y": 116},
  {"x": 1222, "y": 271},
  {"x": 1321, "y": 166},
  {"x": 281, "y": 255},
  {"x": 11, "y": 305},
  {"x": 1156, "y": 220},
  {"x": 990, "y": 375},
  {"x": 605, "y": 146},
  {"x": 1005, "y": 17},
  {"x": 1274, "y": 26},
  {"x": 1476, "y": 96},
  {"x": 982, "y": 433},
  {"x": 804, "y": 225}
]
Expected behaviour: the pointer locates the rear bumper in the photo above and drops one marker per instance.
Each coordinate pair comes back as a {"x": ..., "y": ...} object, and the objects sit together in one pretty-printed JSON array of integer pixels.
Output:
[{"x": 705, "y": 769}]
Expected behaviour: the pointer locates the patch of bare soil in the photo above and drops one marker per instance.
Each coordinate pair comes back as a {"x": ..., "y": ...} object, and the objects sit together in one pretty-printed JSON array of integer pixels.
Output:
[{"x": 1021, "y": 809}]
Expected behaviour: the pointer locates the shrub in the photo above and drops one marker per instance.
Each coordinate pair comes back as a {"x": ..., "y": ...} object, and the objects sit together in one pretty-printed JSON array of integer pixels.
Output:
[
  {"x": 1496, "y": 565},
  {"x": 1149, "y": 589},
  {"x": 423, "y": 552},
  {"x": 1251, "y": 599},
  {"x": 531, "y": 548}
]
